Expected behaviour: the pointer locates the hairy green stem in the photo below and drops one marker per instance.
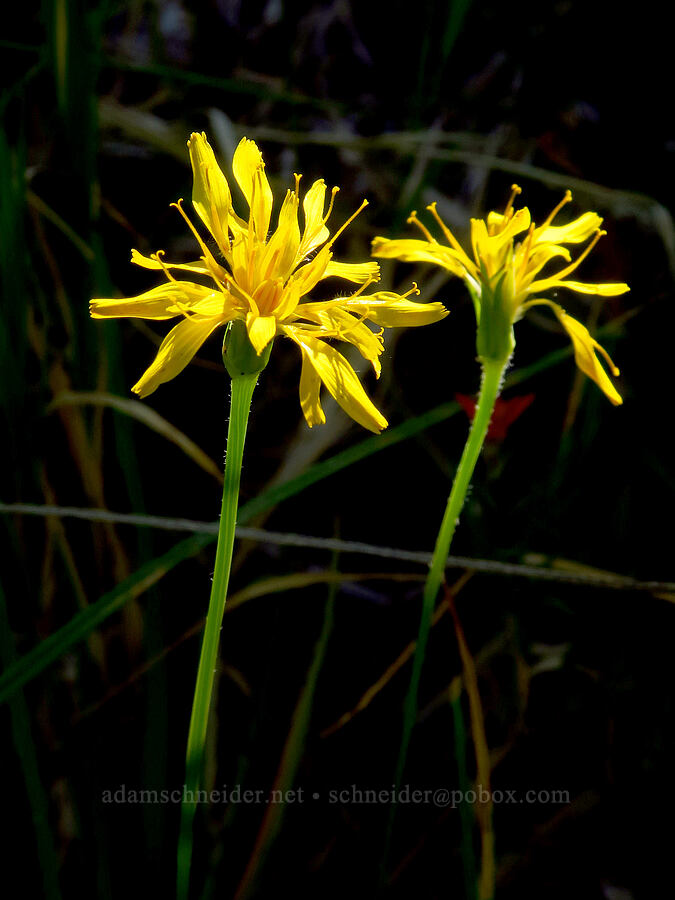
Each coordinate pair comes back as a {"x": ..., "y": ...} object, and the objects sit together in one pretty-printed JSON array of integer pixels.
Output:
[
  {"x": 492, "y": 378},
  {"x": 493, "y": 373},
  {"x": 242, "y": 391}
]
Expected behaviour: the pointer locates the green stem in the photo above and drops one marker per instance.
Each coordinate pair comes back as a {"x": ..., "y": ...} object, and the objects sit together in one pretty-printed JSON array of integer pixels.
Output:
[
  {"x": 242, "y": 391},
  {"x": 493, "y": 372}
]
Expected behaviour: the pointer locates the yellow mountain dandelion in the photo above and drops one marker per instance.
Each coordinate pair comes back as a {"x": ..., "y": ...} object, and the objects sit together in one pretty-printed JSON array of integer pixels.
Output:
[
  {"x": 259, "y": 280},
  {"x": 504, "y": 276}
]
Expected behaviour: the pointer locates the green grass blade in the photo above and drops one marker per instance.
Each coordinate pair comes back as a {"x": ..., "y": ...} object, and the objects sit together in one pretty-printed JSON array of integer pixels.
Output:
[
  {"x": 345, "y": 458},
  {"x": 252, "y": 88},
  {"x": 27, "y": 757},
  {"x": 465, "y": 809},
  {"x": 36, "y": 660},
  {"x": 290, "y": 758},
  {"x": 144, "y": 414}
]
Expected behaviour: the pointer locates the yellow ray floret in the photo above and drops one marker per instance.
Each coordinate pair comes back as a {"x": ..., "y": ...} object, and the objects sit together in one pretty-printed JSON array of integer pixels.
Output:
[
  {"x": 508, "y": 253},
  {"x": 261, "y": 277}
]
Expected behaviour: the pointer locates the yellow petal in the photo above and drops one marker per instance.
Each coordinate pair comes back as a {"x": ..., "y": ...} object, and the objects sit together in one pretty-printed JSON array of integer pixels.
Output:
[
  {"x": 283, "y": 246},
  {"x": 495, "y": 221},
  {"x": 288, "y": 302},
  {"x": 315, "y": 232},
  {"x": 218, "y": 304},
  {"x": 241, "y": 258},
  {"x": 394, "y": 311},
  {"x": 519, "y": 221},
  {"x": 344, "y": 326},
  {"x": 162, "y": 302},
  {"x": 339, "y": 378},
  {"x": 249, "y": 170},
  {"x": 147, "y": 262},
  {"x": 573, "y": 233},
  {"x": 409, "y": 250},
  {"x": 210, "y": 192},
  {"x": 601, "y": 290},
  {"x": 175, "y": 352},
  {"x": 504, "y": 228},
  {"x": 309, "y": 275},
  {"x": 261, "y": 330},
  {"x": 585, "y": 357},
  {"x": 359, "y": 273},
  {"x": 538, "y": 256},
  {"x": 310, "y": 387}
]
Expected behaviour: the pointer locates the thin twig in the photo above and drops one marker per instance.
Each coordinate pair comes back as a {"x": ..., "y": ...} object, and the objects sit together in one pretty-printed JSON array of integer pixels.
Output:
[{"x": 285, "y": 539}]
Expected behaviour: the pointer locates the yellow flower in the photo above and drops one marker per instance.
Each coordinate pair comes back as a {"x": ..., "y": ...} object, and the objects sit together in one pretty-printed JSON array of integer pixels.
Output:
[
  {"x": 504, "y": 276},
  {"x": 260, "y": 281}
]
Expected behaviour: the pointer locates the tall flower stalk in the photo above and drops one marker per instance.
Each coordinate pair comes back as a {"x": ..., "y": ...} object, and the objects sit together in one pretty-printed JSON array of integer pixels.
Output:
[
  {"x": 503, "y": 274},
  {"x": 255, "y": 284},
  {"x": 242, "y": 392}
]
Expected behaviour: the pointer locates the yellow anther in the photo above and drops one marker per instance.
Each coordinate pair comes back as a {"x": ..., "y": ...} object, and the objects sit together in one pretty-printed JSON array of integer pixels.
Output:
[
  {"x": 330, "y": 204},
  {"x": 158, "y": 256},
  {"x": 515, "y": 190}
]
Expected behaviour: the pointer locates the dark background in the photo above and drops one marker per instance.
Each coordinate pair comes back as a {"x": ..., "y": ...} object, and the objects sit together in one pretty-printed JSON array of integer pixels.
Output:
[{"x": 402, "y": 104}]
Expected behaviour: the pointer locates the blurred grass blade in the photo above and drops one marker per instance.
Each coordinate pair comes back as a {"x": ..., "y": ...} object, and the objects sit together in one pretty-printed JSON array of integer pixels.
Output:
[
  {"x": 37, "y": 659},
  {"x": 39, "y": 205},
  {"x": 291, "y": 756},
  {"x": 46, "y": 652},
  {"x": 14, "y": 280},
  {"x": 20, "y": 718},
  {"x": 345, "y": 458},
  {"x": 465, "y": 809},
  {"x": 60, "y": 32},
  {"x": 391, "y": 670},
  {"x": 483, "y": 811},
  {"x": 144, "y": 414},
  {"x": 227, "y": 85},
  {"x": 298, "y": 580},
  {"x": 456, "y": 14},
  {"x": 147, "y": 129},
  {"x": 537, "y": 566}
]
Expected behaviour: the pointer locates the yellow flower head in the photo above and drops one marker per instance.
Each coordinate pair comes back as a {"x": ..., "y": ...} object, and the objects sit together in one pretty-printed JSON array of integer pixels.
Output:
[
  {"x": 504, "y": 275},
  {"x": 259, "y": 279}
]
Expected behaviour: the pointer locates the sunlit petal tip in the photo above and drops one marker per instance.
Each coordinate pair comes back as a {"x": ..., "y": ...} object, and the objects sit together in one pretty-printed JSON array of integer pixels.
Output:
[
  {"x": 339, "y": 378},
  {"x": 142, "y": 389},
  {"x": 585, "y": 355}
]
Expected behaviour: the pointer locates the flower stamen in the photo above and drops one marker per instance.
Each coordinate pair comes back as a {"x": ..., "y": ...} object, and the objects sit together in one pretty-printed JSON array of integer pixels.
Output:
[
  {"x": 515, "y": 190},
  {"x": 413, "y": 220},
  {"x": 158, "y": 256},
  {"x": 582, "y": 256},
  {"x": 471, "y": 266},
  {"x": 348, "y": 222},
  {"x": 333, "y": 194},
  {"x": 565, "y": 200}
]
